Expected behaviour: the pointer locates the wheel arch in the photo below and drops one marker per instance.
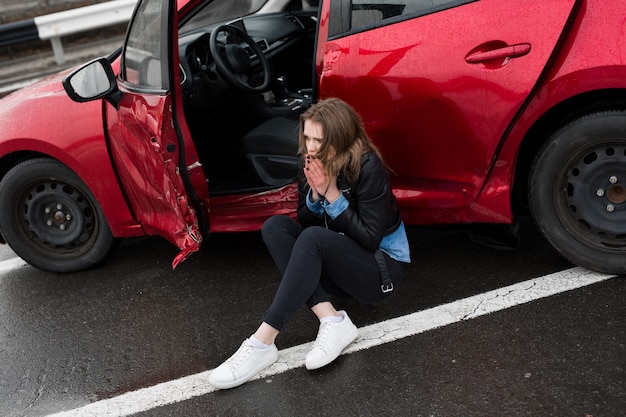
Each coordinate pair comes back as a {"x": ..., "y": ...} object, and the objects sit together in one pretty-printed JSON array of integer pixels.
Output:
[
  {"x": 549, "y": 123},
  {"x": 117, "y": 215},
  {"x": 9, "y": 161}
]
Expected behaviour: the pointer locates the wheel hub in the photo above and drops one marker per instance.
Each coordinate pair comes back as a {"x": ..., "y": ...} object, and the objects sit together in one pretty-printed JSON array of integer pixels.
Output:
[
  {"x": 57, "y": 217},
  {"x": 53, "y": 213},
  {"x": 602, "y": 172},
  {"x": 616, "y": 194}
]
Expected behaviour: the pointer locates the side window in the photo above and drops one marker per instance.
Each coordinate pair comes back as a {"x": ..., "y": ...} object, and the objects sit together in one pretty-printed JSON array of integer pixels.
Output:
[
  {"x": 143, "y": 52},
  {"x": 357, "y": 15}
]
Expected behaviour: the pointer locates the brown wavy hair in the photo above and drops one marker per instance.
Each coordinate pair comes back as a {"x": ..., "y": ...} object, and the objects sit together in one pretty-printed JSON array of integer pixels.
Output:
[{"x": 343, "y": 132}]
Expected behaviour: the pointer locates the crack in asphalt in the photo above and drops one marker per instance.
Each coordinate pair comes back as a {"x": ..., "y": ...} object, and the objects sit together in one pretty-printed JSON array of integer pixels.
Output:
[{"x": 495, "y": 295}]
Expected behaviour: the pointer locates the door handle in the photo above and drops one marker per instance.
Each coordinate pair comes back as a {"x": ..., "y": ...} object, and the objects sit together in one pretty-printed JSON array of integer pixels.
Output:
[{"x": 513, "y": 51}]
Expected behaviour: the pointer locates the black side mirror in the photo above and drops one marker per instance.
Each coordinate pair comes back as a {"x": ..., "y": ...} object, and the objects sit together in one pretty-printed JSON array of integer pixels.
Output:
[{"x": 92, "y": 81}]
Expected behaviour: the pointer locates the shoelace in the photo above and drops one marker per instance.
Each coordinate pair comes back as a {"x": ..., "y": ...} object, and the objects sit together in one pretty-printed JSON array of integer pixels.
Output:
[
  {"x": 320, "y": 340},
  {"x": 235, "y": 361}
]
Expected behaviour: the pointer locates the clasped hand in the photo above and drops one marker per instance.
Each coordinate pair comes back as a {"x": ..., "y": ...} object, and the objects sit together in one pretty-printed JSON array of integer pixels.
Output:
[{"x": 321, "y": 184}]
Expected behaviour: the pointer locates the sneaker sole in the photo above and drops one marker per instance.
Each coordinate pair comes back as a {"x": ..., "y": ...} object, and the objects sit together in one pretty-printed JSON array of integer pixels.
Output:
[{"x": 244, "y": 378}]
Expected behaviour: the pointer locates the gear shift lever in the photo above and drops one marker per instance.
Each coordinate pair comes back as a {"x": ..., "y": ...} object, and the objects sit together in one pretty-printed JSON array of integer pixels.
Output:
[
  {"x": 282, "y": 84},
  {"x": 287, "y": 98}
]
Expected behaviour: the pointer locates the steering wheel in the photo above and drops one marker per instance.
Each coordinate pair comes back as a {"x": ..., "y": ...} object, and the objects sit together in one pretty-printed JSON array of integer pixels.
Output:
[{"x": 233, "y": 62}]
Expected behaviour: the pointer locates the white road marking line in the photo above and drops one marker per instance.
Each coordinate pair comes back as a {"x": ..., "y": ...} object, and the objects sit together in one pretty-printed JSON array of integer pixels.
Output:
[
  {"x": 11, "y": 264},
  {"x": 369, "y": 336}
]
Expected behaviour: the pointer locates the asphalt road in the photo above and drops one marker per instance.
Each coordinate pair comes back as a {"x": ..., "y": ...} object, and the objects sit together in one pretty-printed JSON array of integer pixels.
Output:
[
  {"x": 113, "y": 333},
  {"x": 109, "y": 334}
]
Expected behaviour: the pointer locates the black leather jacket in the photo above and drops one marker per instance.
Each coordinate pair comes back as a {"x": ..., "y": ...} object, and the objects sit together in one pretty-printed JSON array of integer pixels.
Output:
[{"x": 372, "y": 212}]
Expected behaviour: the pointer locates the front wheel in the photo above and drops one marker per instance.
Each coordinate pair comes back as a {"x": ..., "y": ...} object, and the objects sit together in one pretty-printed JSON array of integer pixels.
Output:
[
  {"x": 50, "y": 218},
  {"x": 577, "y": 191}
]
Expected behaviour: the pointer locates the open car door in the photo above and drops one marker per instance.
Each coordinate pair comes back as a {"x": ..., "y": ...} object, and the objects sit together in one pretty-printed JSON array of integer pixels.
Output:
[{"x": 151, "y": 147}]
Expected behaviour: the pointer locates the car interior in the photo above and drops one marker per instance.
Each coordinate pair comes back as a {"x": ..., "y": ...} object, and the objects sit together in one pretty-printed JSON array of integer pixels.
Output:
[{"x": 244, "y": 85}]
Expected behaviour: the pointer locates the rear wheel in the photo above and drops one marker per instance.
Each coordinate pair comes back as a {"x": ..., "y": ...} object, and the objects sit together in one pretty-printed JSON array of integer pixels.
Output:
[
  {"x": 51, "y": 219},
  {"x": 577, "y": 191}
]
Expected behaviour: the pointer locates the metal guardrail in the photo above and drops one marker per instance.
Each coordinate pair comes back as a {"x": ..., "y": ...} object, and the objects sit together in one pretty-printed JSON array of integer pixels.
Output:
[
  {"x": 56, "y": 25},
  {"x": 12, "y": 33}
]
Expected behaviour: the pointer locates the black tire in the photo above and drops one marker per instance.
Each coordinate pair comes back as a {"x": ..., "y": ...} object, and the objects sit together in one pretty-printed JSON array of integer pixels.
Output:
[
  {"x": 577, "y": 191},
  {"x": 51, "y": 219}
]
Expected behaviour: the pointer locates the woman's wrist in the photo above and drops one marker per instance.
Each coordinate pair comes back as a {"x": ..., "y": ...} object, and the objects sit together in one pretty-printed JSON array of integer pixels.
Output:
[
  {"x": 314, "y": 195},
  {"x": 332, "y": 195},
  {"x": 322, "y": 195}
]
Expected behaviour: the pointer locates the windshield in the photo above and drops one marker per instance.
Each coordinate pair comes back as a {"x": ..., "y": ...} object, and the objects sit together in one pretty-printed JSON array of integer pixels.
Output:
[{"x": 220, "y": 11}]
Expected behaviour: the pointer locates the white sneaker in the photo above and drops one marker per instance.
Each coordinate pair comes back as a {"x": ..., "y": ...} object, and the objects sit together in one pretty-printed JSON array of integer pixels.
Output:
[
  {"x": 243, "y": 365},
  {"x": 331, "y": 339}
]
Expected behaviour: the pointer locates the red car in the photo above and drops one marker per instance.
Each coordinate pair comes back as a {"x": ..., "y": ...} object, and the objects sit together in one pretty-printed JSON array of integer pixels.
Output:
[{"x": 483, "y": 109}]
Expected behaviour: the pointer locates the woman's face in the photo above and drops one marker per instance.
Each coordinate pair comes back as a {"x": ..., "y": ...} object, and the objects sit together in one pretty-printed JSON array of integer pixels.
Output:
[{"x": 313, "y": 136}]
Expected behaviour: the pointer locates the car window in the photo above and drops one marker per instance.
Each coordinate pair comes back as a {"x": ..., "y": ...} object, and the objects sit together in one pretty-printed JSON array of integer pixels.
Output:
[
  {"x": 142, "y": 54},
  {"x": 221, "y": 11},
  {"x": 368, "y": 13}
]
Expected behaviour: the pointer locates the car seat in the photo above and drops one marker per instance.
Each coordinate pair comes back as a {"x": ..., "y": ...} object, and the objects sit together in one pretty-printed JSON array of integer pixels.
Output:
[{"x": 271, "y": 148}]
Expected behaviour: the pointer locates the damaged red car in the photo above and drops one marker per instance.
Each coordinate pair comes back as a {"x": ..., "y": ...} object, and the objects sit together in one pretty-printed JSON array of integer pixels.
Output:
[{"x": 485, "y": 110}]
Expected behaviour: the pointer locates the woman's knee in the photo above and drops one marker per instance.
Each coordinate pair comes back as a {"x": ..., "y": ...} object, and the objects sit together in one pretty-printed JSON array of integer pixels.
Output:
[
  {"x": 313, "y": 235},
  {"x": 279, "y": 224}
]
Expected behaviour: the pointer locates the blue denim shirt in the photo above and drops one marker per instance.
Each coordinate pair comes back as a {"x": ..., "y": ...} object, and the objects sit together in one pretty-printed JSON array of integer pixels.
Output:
[{"x": 395, "y": 244}]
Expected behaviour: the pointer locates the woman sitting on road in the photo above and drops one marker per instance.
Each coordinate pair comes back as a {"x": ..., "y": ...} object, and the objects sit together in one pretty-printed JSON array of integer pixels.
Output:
[{"x": 349, "y": 241}]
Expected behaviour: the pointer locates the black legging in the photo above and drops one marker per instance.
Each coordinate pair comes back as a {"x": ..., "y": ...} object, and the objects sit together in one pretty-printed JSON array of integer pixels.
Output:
[{"x": 317, "y": 263}]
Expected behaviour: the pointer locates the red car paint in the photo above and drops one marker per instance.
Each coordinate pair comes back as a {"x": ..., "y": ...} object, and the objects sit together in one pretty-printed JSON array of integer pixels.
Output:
[{"x": 459, "y": 102}]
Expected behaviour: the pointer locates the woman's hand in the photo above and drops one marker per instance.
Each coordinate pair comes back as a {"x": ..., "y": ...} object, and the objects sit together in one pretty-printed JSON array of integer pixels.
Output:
[{"x": 321, "y": 184}]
